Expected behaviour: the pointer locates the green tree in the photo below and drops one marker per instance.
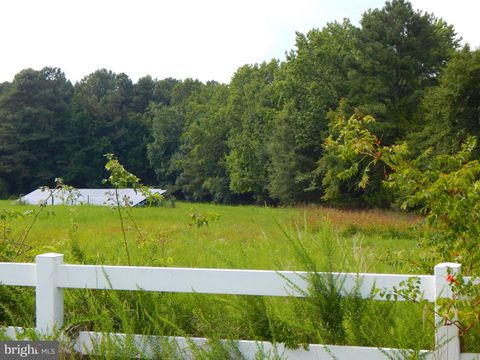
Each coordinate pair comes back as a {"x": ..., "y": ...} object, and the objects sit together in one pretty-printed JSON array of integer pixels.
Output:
[
  {"x": 164, "y": 90},
  {"x": 201, "y": 158},
  {"x": 285, "y": 162},
  {"x": 143, "y": 93},
  {"x": 34, "y": 111},
  {"x": 166, "y": 126},
  {"x": 251, "y": 109},
  {"x": 166, "y": 120},
  {"x": 399, "y": 54},
  {"x": 104, "y": 121},
  {"x": 451, "y": 110},
  {"x": 310, "y": 84}
]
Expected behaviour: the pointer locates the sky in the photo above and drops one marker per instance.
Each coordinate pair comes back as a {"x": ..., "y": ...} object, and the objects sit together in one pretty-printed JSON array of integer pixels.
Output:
[{"x": 202, "y": 39}]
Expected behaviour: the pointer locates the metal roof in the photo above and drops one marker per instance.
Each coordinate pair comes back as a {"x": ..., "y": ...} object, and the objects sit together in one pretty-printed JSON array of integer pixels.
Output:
[{"x": 105, "y": 197}]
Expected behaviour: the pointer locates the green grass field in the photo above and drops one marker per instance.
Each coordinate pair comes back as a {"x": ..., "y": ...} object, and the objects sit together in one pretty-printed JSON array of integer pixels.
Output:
[
  {"x": 246, "y": 237},
  {"x": 236, "y": 237}
]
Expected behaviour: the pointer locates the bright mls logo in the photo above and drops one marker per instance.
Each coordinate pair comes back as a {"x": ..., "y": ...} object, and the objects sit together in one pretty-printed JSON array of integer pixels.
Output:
[{"x": 38, "y": 350}]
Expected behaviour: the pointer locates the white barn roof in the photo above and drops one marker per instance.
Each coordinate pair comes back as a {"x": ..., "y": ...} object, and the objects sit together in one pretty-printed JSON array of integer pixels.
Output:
[{"x": 86, "y": 196}]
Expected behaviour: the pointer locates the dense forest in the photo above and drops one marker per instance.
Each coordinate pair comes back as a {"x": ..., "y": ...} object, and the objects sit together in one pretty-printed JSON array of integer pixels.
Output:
[{"x": 259, "y": 138}]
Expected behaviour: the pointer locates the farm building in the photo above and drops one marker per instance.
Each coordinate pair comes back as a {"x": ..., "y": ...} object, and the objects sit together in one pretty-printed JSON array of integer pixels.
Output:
[{"x": 103, "y": 197}]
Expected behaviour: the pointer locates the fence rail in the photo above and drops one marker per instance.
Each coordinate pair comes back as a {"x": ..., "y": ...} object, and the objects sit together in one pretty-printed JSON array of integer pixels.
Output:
[{"x": 50, "y": 276}]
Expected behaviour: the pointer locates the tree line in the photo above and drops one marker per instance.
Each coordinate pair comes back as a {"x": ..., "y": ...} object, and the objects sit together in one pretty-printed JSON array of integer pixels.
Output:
[{"x": 260, "y": 137}]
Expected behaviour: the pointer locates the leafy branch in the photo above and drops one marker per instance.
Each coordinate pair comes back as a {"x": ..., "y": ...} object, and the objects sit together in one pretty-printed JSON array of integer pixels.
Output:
[
  {"x": 445, "y": 187},
  {"x": 120, "y": 178}
]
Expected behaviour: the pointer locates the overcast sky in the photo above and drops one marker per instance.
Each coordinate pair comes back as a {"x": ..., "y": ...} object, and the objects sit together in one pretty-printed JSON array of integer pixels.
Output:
[{"x": 203, "y": 39}]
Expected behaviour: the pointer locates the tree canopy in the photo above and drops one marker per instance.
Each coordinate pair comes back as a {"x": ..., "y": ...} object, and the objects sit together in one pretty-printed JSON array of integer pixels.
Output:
[{"x": 260, "y": 137}]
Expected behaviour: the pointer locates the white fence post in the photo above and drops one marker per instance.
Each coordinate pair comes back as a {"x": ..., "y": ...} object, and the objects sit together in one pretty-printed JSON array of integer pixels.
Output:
[
  {"x": 447, "y": 338},
  {"x": 49, "y": 298}
]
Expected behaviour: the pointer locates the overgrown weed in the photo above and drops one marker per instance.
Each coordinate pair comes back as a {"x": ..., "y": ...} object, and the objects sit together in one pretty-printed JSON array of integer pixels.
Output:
[{"x": 326, "y": 315}]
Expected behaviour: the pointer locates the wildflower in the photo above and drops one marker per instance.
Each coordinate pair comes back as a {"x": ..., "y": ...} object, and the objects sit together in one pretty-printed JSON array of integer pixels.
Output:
[{"x": 451, "y": 279}]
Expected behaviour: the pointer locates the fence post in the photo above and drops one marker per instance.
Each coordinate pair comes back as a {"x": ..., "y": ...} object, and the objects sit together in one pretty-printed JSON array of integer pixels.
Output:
[
  {"x": 447, "y": 338},
  {"x": 49, "y": 298}
]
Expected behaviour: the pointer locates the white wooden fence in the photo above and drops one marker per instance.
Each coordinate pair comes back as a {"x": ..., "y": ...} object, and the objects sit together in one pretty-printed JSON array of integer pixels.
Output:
[{"x": 49, "y": 275}]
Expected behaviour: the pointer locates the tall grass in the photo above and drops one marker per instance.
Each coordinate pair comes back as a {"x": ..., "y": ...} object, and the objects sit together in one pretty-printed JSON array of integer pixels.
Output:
[
  {"x": 234, "y": 237},
  {"x": 241, "y": 237}
]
